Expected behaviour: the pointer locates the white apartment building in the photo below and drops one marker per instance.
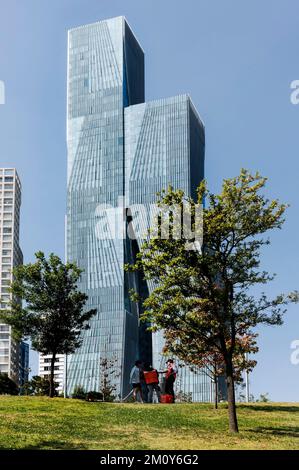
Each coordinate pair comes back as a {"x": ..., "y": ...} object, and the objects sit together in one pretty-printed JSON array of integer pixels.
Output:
[
  {"x": 11, "y": 256},
  {"x": 44, "y": 369}
]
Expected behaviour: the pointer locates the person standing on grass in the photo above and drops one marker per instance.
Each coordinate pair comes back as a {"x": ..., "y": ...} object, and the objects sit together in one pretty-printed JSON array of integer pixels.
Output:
[
  {"x": 151, "y": 377},
  {"x": 135, "y": 380},
  {"x": 170, "y": 377},
  {"x": 144, "y": 388}
]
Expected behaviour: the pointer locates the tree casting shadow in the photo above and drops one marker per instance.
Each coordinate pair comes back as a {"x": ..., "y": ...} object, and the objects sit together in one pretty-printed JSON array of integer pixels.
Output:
[
  {"x": 270, "y": 408},
  {"x": 279, "y": 431},
  {"x": 50, "y": 445}
]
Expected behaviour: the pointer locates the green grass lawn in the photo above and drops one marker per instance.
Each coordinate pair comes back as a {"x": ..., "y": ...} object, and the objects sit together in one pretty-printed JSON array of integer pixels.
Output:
[{"x": 43, "y": 423}]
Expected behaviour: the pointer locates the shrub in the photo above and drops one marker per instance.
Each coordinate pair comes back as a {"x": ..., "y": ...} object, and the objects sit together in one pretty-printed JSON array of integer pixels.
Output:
[
  {"x": 94, "y": 396},
  {"x": 182, "y": 397},
  {"x": 7, "y": 386},
  {"x": 39, "y": 386},
  {"x": 79, "y": 392}
]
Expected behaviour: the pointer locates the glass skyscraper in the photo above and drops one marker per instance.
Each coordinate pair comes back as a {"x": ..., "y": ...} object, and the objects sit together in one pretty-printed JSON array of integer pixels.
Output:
[
  {"x": 105, "y": 74},
  {"x": 165, "y": 142},
  {"x": 119, "y": 148}
]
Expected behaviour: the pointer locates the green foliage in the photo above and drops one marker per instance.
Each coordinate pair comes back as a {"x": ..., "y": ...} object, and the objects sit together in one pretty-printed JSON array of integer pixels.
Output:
[
  {"x": 94, "y": 396},
  {"x": 38, "y": 386},
  {"x": 182, "y": 397},
  {"x": 79, "y": 392},
  {"x": 202, "y": 299},
  {"x": 7, "y": 385},
  {"x": 53, "y": 315}
]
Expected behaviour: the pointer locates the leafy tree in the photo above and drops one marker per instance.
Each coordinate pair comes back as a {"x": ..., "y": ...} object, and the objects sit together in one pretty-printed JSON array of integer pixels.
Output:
[
  {"x": 211, "y": 362},
  {"x": 53, "y": 315},
  {"x": 206, "y": 292},
  {"x": 7, "y": 385},
  {"x": 39, "y": 386}
]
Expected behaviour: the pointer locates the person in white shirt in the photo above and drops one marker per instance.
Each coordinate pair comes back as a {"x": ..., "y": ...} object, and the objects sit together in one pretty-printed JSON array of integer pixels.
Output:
[{"x": 135, "y": 380}]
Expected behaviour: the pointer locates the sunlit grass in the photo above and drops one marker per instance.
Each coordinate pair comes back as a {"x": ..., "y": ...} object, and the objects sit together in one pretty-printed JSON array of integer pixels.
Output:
[{"x": 43, "y": 423}]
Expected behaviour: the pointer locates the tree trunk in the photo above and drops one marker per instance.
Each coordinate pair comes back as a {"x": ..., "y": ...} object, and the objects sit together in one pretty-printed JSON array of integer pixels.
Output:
[
  {"x": 216, "y": 392},
  {"x": 52, "y": 387},
  {"x": 232, "y": 413}
]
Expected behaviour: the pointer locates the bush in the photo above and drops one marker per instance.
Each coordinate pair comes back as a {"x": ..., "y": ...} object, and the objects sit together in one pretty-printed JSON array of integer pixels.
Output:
[
  {"x": 79, "y": 393},
  {"x": 94, "y": 396},
  {"x": 39, "y": 386},
  {"x": 7, "y": 386},
  {"x": 182, "y": 397}
]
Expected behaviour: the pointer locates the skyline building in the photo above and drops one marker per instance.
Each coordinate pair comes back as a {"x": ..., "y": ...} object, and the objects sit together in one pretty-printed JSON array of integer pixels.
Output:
[
  {"x": 44, "y": 369},
  {"x": 105, "y": 74},
  {"x": 120, "y": 148},
  {"x": 164, "y": 144},
  {"x": 13, "y": 359}
]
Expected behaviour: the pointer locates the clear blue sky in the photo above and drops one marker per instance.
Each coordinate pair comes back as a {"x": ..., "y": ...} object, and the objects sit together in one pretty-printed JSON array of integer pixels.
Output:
[{"x": 236, "y": 59}]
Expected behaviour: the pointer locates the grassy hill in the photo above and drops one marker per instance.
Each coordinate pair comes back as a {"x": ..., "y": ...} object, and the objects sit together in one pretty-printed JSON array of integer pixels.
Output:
[{"x": 42, "y": 423}]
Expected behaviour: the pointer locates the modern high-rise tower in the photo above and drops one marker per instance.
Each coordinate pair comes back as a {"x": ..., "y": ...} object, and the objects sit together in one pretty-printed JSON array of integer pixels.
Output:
[
  {"x": 119, "y": 147},
  {"x": 12, "y": 360}
]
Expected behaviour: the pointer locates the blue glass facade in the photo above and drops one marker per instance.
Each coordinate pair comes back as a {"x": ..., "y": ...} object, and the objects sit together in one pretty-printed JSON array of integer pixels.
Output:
[
  {"x": 164, "y": 144},
  {"x": 118, "y": 146},
  {"x": 105, "y": 73}
]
